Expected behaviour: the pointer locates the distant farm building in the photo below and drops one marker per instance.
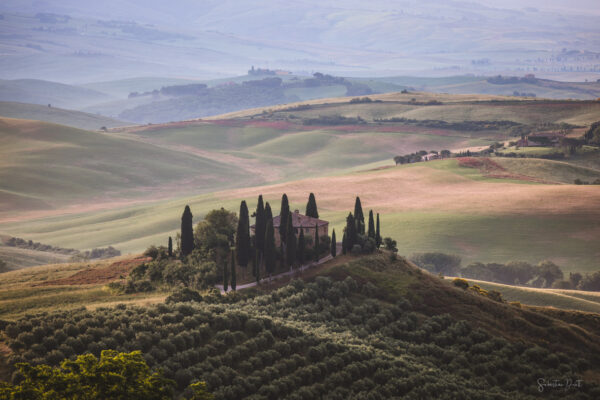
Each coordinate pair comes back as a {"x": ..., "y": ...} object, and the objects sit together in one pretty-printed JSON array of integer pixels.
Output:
[
  {"x": 430, "y": 156},
  {"x": 300, "y": 221},
  {"x": 541, "y": 139}
]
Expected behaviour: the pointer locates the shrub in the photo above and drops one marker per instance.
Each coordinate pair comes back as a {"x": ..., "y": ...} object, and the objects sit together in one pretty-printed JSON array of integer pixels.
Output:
[{"x": 461, "y": 283}]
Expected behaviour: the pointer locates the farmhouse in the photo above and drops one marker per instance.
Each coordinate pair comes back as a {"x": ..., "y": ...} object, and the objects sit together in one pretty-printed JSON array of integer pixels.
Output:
[
  {"x": 430, "y": 156},
  {"x": 541, "y": 139},
  {"x": 300, "y": 221}
]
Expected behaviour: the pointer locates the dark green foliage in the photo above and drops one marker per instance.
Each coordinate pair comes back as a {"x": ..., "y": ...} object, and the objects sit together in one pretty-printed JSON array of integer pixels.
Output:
[
  {"x": 259, "y": 227},
  {"x": 344, "y": 243},
  {"x": 187, "y": 232},
  {"x": 378, "y": 240},
  {"x": 446, "y": 264},
  {"x": 265, "y": 346},
  {"x": 461, "y": 283},
  {"x": 371, "y": 231},
  {"x": 390, "y": 244},
  {"x": 316, "y": 248},
  {"x": 333, "y": 244},
  {"x": 283, "y": 221},
  {"x": 545, "y": 274},
  {"x": 268, "y": 214},
  {"x": 233, "y": 272},
  {"x": 592, "y": 136},
  {"x": 350, "y": 232},
  {"x": 170, "y": 247},
  {"x": 184, "y": 295},
  {"x": 113, "y": 376},
  {"x": 290, "y": 248},
  {"x": 301, "y": 253},
  {"x": 269, "y": 247},
  {"x": 311, "y": 207},
  {"x": 226, "y": 277},
  {"x": 242, "y": 237},
  {"x": 590, "y": 282},
  {"x": 359, "y": 217},
  {"x": 3, "y": 266}
]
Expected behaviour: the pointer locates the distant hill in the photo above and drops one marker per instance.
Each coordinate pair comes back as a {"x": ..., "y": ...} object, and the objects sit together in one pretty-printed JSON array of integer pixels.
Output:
[
  {"x": 75, "y": 119},
  {"x": 37, "y": 91}
]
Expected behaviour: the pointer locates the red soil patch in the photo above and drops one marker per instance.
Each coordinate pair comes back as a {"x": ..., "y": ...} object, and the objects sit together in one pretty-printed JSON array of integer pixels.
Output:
[{"x": 90, "y": 276}]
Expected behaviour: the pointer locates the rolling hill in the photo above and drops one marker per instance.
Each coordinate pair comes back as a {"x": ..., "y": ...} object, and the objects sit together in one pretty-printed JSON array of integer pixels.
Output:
[
  {"x": 75, "y": 119},
  {"x": 42, "y": 92},
  {"x": 46, "y": 166},
  {"x": 433, "y": 206},
  {"x": 371, "y": 326}
]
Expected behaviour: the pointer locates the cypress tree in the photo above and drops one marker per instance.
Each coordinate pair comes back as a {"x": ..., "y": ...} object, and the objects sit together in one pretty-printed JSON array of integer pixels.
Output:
[
  {"x": 242, "y": 237},
  {"x": 225, "y": 278},
  {"x": 170, "y": 247},
  {"x": 268, "y": 216},
  {"x": 233, "y": 277},
  {"x": 259, "y": 228},
  {"x": 333, "y": 245},
  {"x": 311, "y": 207},
  {"x": 350, "y": 232},
  {"x": 377, "y": 234},
  {"x": 371, "y": 225},
  {"x": 301, "y": 247},
  {"x": 283, "y": 214},
  {"x": 317, "y": 242},
  {"x": 344, "y": 243},
  {"x": 269, "y": 247},
  {"x": 187, "y": 232},
  {"x": 290, "y": 251},
  {"x": 359, "y": 217}
]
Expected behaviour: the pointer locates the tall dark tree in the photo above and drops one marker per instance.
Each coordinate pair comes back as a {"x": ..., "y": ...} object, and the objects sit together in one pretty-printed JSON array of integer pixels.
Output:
[
  {"x": 170, "y": 247},
  {"x": 359, "y": 217},
  {"x": 285, "y": 209},
  {"x": 187, "y": 232},
  {"x": 268, "y": 215},
  {"x": 233, "y": 276},
  {"x": 259, "y": 228},
  {"x": 290, "y": 250},
  {"x": 301, "y": 247},
  {"x": 333, "y": 245},
  {"x": 371, "y": 230},
  {"x": 226, "y": 278},
  {"x": 317, "y": 242},
  {"x": 269, "y": 247},
  {"x": 311, "y": 207},
  {"x": 378, "y": 239},
  {"x": 242, "y": 237},
  {"x": 350, "y": 232},
  {"x": 344, "y": 243}
]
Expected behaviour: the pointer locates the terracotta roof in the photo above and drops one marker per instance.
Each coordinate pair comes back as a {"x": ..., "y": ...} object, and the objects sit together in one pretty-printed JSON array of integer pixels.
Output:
[{"x": 300, "y": 221}]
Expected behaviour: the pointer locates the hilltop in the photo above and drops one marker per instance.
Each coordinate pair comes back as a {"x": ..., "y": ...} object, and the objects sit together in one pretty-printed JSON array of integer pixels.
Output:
[{"x": 366, "y": 326}]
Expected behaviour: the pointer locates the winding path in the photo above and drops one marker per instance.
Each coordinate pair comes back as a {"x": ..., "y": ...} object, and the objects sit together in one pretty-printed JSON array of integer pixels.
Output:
[{"x": 281, "y": 275}]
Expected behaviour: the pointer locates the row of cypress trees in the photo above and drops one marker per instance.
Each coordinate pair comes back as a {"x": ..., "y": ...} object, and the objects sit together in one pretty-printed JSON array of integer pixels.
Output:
[
  {"x": 260, "y": 249},
  {"x": 355, "y": 226}
]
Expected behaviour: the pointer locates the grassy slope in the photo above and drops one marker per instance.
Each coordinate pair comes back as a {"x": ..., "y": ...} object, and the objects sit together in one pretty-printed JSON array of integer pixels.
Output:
[
  {"x": 21, "y": 293},
  {"x": 18, "y": 258},
  {"x": 563, "y": 299},
  {"x": 45, "y": 165},
  {"x": 76, "y": 119},
  {"x": 434, "y": 206}
]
